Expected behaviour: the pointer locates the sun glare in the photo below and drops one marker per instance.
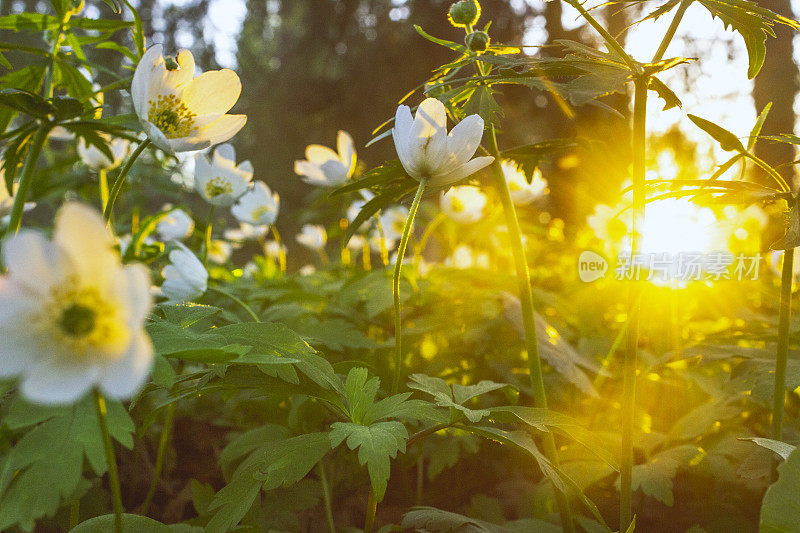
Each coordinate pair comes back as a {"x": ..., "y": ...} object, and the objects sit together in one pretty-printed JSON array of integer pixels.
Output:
[{"x": 674, "y": 225}]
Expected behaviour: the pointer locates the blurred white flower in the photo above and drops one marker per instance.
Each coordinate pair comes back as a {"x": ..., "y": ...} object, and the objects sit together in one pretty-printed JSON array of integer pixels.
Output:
[
  {"x": 322, "y": 166},
  {"x": 60, "y": 133},
  {"x": 97, "y": 160},
  {"x": 393, "y": 220},
  {"x": 220, "y": 251},
  {"x": 357, "y": 205},
  {"x": 185, "y": 278},
  {"x": 426, "y": 150},
  {"x": 245, "y": 232},
  {"x": 377, "y": 241},
  {"x": 175, "y": 226},
  {"x": 463, "y": 204},
  {"x": 181, "y": 113},
  {"x": 312, "y": 236},
  {"x": 220, "y": 181},
  {"x": 71, "y": 315},
  {"x": 274, "y": 249},
  {"x": 356, "y": 243},
  {"x": 307, "y": 270},
  {"x": 522, "y": 192},
  {"x": 464, "y": 257},
  {"x": 611, "y": 224},
  {"x": 258, "y": 206}
]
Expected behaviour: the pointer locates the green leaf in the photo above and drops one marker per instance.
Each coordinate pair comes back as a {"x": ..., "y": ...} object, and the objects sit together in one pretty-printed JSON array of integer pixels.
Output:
[
  {"x": 431, "y": 519},
  {"x": 665, "y": 93},
  {"x": 781, "y": 448},
  {"x": 483, "y": 103},
  {"x": 727, "y": 140},
  {"x": 781, "y": 506},
  {"x": 276, "y": 464},
  {"x": 132, "y": 523},
  {"x": 376, "y": 443},
  {"x": 756, "y": 131},
  {"x": 27, "y": 102},
  {"x": 791, "y": 239},
  {"x": 442, "y": 42},
  {"x": 29, "y": 22}
]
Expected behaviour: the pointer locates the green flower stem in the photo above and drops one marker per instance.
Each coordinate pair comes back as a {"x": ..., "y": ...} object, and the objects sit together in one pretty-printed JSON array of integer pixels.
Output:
[
  {"x": 785, "y": 315},
  {"x": 366, "y": 259},
  {"x": 372, "y": 506},
  {"x": 398, "y": 266},
  {"x": 419, "y": 249},
  {"x": 611, "y": 42},
  {"x": 163, "y": 442},
  {"x": 207, "y": 235},
  {"x": 26, "y": 178},
  {"x": 528, "y": 316},
  {"x": 238, "y": 300},
  {"x": 326, "y": 496},
  {"x": 102, "y": 177},
  {"x": 59, "y": 38},
  {"x": 113, "y": 477},
  {"x": 673, "y": 26},
  {"x": 112, "y": 196},
  {"x": 769, "y": 170},
  {"x": 281, "y": 253},
  {"x": 634, "y": 299}
]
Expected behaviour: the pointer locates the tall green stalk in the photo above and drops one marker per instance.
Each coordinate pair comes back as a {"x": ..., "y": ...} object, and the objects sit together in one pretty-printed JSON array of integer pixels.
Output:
[
  {"x": 528, "y": 317},
  {"x": 372, "y": 507},
  {"x": 398, "y": 266},
  {"x": 163, "y": 442},
  {"x": 113, "y": 476},
  {"x": 207, "y": 235},
  {"x": 631, "y": 353},
  {"x": 784, "y": 316},
  {"x": 26, "y": 177},
  {"x": 112, "y": 196}
]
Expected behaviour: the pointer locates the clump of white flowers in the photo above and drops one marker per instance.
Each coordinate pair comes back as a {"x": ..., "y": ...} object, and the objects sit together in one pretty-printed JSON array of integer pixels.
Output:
[
  {"x": 97, "y": 160},
  {"x": 428, "y": 152},
  {"x": 221, "y": 181},
  {"x": 179, "y": 112},
  {"x": 185, "y": 277},
  {"x": 522, "y": 192},
  {"x": 71, "y": 315},
  {"x": 322, "y": 166},
  {"x": 464, "y": 204}
]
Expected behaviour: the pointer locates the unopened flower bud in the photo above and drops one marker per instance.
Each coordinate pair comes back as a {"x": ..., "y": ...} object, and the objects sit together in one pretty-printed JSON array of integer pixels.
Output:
[
  {"x": 464, "y": 13},
  {"x": 477, "y": 41},
  {"x": 171, "y": 63}
]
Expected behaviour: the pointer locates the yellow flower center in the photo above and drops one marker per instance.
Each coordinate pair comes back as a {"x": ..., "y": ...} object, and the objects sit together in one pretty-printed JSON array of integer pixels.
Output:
[
  {"x": 171, "y": 116},
  {"x": 457, "y": 205},
  {"x": 86, "y": 323},
  {"x": 514, "y": 186},
  {"x": 217, "y": 186}
]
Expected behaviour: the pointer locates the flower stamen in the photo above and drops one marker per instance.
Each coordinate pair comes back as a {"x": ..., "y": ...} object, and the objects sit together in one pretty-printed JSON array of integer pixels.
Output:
[{"x": 171, "y": 115}]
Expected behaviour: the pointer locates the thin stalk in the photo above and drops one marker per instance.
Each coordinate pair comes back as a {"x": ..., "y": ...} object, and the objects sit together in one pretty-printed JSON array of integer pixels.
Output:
[
  {"x": 426, "y": 235},
  {"x": 784, "y": 316},
  {"x": 326, "y": 496},
  {"x": 239, "y": 301},
  {"x": 59, "y": 38},
  {"x": 398, "y": 266},
  {"x": 113, "y": 476},
  {"x": 528, "y": 317},
  {"x": 769, "y": 170},
  {"x": 102, "y": 178},
  {"x": 74, "y": 513},
  {"x": 420, "y": 481},
  {"x": 611, "y": 42},
  {"x": 366, "y": 253},
  {"x": 207, "y": 234},
  {"x": 673, "y": 26},
  {"x": 117, "y": 186},
  {"x": 281, "y": 253},
  {"x": 163, "y": 442},
  {"x": 26, "y": 178},
  {"x": 629, "y": 363},
  {"x": 384, "y": 249},
  {"x": 372, "y": 506}
]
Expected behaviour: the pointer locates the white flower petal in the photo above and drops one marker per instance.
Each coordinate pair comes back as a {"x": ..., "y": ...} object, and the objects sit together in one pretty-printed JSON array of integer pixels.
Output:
[
  {"x": 223, "y": 128},
  {"x": 428, "y": 137},
  {"x": 461, "y": 172},
  {"x": 125, "y": 376},
  {"x": 213, "y": 92},
  {"x": 462, "y": 142},
  {"x": 81, "y": 233},
  {"x": 318, "y": 154},
  {"x": 347, "y": 150},
  {"x": 33, "y": 261},
  {"x": 157, "y": 137},
  {"x": 145, "y": 71},
  {"x": 52, "y": 381}
]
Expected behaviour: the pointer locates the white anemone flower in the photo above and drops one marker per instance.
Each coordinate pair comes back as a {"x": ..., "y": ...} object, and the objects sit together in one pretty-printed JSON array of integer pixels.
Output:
[
  {"x": 393, "y": 220},
  {"x": 71, "y": 315},
  {"x": 356, "y": 243},
  {"x": 427, "y": 151},
  {"x": 220, "y": 181},
  {"x": 312, "y": 236},
  {"x": 522, "y": 192},
  {"x": 245, "y": 232},
  {"x": 185, "y": 277},
  {"x": 258, "y": 206},
  {"x": 274, "y": 249},
  {"x": 463, "y": 204},
  {"x": 97, "y": 160},
  {"x": 179, "y": 112},
  {"x": 357, "y": 205},
  {"x": 176, "y": 225},
  {"x": 220, "y": 251},
  {"x": 325, "y": 167}
]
